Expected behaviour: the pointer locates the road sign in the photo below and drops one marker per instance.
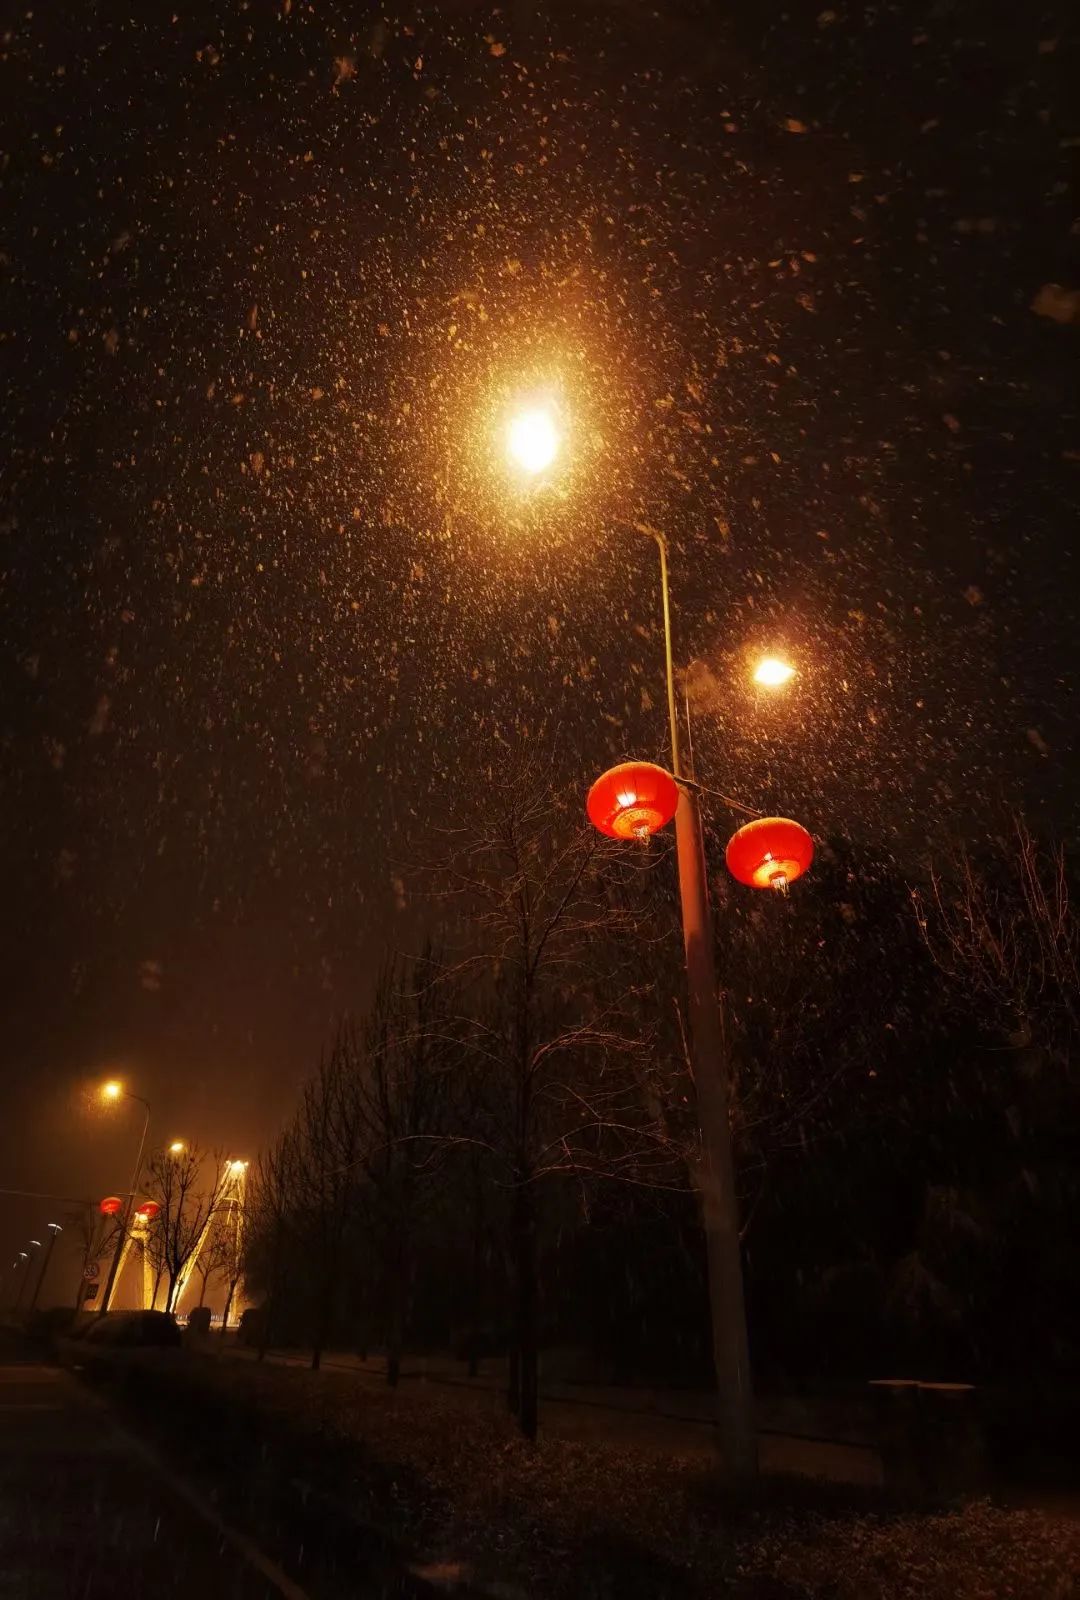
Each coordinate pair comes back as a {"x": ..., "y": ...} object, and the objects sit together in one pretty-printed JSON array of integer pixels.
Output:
[{"x": 91, "y": 1271}]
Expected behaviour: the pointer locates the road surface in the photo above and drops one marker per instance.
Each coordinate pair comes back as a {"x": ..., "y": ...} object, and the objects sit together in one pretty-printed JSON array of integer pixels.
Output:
[{"x": 86, "y": 1513}]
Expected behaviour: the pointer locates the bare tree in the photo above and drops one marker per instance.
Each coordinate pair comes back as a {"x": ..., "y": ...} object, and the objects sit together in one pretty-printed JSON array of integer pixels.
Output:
[
  {"x": 1007, "y": 933},
  {"x": 548, "y": 1028},
  {"x": 207, "y": 1265},
  {"x": 403, "y": 1089},
  {"x": 228, "y": 1256},
  {"x": 327, "y": 1148},
  {"x": 272, "y": 1194},
  {"x": 94, "y": 1237},
  {"x": 187, "y": 1189}
]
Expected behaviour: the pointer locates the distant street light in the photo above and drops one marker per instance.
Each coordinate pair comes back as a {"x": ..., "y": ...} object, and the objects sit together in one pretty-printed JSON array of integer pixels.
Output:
[
  {"x": 114, "y": 1091},
  {"x": 773, "y": 673},
  {"x": 533, "y": 438},
  {"x": 177, "y": 1147}
]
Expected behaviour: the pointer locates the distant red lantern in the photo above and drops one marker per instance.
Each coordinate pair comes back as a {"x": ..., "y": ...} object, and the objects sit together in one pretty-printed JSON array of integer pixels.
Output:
[
  {"x": 111, "y": 1204},
  {"x": 632, "y": 800},
  {"x": 769, "y": 853},
  {"x": 148, "y": 1210}
]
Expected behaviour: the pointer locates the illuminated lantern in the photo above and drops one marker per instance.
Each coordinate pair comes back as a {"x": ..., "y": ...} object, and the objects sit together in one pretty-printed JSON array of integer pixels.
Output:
[
  {"x": 111, "y": 1204},
  {"x": 148, "y": 1210},
  {"x": 769, "y": 853},
  {"x": 632, "y": 800}
]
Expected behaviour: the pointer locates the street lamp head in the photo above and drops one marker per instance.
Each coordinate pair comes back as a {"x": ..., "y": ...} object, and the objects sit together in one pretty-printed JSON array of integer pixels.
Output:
[
  {"x": 532, "y": 438},
  {"x": 35, "y": 1244},
  {"x": 177, "y": 1147},
  {"x": 54, "y": 1228},
  {"x": 236, "y": 1167},
  {"x": 773, "y": 673},
  {"x": 112, "y": 1090}
]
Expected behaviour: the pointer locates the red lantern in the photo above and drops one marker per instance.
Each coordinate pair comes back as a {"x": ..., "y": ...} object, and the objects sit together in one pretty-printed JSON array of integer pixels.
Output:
[
  {"x": 632, "y": 800},
  {"x": 111, "y": 1204},
  {"x": 148, "y": 1210},
  {"x": 769, "y": 853}
]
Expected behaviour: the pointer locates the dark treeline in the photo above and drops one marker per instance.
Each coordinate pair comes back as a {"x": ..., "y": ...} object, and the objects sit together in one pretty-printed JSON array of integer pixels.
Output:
[{"x": 494, "y": 1159}]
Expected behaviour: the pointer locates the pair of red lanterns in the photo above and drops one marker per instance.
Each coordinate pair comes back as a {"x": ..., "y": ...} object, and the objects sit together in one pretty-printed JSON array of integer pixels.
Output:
[
  {"x": 637, "y": 798},
  {"x": 112, "y": 1205}
]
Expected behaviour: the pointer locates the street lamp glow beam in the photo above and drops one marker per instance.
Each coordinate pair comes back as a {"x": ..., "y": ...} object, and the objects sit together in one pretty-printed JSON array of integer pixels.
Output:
[
  {"x": 773, "y": 673},
  {"x": 532, "y": 439}
]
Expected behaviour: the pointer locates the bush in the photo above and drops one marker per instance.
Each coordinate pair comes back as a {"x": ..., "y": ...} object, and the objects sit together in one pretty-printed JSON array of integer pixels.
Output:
[{"x": 51, "y": 1323}]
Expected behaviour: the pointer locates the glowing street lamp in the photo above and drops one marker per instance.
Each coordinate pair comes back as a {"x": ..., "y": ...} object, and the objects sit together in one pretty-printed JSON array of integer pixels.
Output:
[
  {"x": 112, "y": 1091},
  {"x": 533, "y": 439},
  {"x": 177, "y": 1147},
  {"x": 773, "y": 673}
]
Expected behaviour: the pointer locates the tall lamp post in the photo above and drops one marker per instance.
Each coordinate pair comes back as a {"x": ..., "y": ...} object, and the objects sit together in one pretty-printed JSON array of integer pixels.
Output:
[
  {"x": 54, "y": 1229},
  {"x": 533, "y": 444},
  {"x": 714, "y": 1169},
  {"x": 112, "y": 1092}
]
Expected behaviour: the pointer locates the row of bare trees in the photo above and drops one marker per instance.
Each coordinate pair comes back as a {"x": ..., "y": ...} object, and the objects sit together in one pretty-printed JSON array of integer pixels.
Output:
[
  {"x": 501, "y": 1082},
  {"x": 518, "y": 1054}
]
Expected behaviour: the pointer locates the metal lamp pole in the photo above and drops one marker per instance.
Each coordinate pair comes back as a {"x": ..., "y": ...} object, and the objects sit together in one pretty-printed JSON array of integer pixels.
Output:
[
  {"x": 714, "y": 1169},
  {"x": 35, "y": 1244},
  {"x": 125, "y": 1221},
  {"x": 54, "y": 1228}
]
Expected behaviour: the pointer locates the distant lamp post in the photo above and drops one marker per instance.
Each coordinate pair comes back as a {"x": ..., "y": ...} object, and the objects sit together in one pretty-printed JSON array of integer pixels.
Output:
[
  {"x": 770, "y": 853},
  {"x": 54, "y": 1229},
  {"x": 113, "y": 1092},
  {"x": 32, "y": 1244},
  {"x": 773, "y": 673},
  {"x": 633, "y": 800},
  {"x": 111, "y": 1204},
  {"x": 533, "y": 438}
]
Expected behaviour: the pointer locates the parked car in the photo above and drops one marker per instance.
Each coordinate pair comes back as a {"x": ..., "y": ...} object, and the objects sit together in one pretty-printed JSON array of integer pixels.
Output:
[
  {"x": 134, "y": 1330},
  {"x": 104, "y": 1339}
]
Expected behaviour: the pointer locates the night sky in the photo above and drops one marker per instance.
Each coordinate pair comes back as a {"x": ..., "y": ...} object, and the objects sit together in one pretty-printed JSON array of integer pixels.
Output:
[{"x": 268, "y": 599}]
